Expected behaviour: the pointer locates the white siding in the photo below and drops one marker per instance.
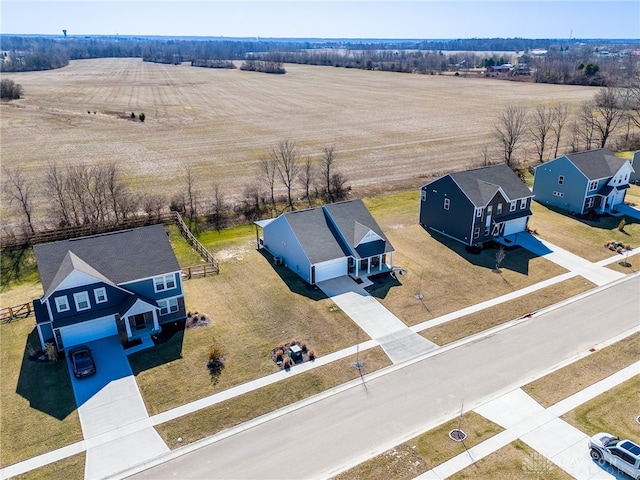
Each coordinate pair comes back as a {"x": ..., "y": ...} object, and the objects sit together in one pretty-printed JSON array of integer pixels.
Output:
[{"x": 331, "y": 269}]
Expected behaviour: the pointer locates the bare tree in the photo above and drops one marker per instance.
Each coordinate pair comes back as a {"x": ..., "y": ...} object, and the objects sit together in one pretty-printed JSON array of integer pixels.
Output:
[
  {"x": 287, "y": 161},
  {"x": 268, "y": 170},
  {"x": 539, "y": 129},
  {"x": 510, "y": 130},
  {"x": 584, "y": 127},
  {"x": 252, "y": 195},
  {"x": 560, "y": 114},
  {"x": 633, "y": 99},
  {"x": 191, "y": 200},
  {"x": 153, "y": 204},
  {"x": 218, "y": 207},
  {"x": 329, "y": 158},
  {"x": 19, "y": 190},
  {"x": 306, "y": 178},
  {"x": 609, "y": 111},
  {"x": 55, "y": 187},
  {"x": 338, "y": 182}
]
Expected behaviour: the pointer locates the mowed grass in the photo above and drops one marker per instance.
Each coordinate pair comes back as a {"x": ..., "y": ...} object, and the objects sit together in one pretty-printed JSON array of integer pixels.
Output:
[
  {"x": 66, "y": 469},
  {"x": 507, "y": 311},
  {"x": 387, "y": 128},
  {"x": 615, "y": 411},
  {"x": 229, "y": 413},
  {"x": 38, "y": 411},
  {"x": 582, "y": 237},
  {"x": 440, "y": 269},
  {"x": 424, "y": 452},
  {"x": 568, "y": 380},
  {"x": 514, "y": 461}
]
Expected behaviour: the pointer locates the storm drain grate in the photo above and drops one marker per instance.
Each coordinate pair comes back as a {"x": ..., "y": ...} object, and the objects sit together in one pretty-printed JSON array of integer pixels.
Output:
[{"x": 457, "y": 435}]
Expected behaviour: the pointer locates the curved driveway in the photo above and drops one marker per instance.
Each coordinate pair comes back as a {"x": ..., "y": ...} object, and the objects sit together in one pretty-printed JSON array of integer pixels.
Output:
[{"x": 325, "y": 437}]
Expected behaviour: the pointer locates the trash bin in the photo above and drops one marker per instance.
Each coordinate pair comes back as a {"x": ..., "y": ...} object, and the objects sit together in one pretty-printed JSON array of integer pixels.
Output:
[{"x": 295, "y": 352}]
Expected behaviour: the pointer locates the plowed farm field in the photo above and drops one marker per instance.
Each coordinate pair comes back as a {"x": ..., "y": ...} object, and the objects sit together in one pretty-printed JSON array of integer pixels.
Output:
[{"x": 389, "y": 130}]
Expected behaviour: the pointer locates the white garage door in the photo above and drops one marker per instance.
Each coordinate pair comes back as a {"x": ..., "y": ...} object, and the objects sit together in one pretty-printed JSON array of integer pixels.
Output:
[
  {"x": 515, "y": 226},
  {"x": 88, "y": 331},
  {"x": 331, "y": 269}
]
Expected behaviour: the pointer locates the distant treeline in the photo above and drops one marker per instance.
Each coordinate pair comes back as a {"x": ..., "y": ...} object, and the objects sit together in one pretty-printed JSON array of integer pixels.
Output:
[{"x": 547, "y": 60}]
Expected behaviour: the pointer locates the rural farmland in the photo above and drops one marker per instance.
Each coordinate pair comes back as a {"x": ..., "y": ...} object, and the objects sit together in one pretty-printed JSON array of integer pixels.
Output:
[{"x": 389, "y": 130}]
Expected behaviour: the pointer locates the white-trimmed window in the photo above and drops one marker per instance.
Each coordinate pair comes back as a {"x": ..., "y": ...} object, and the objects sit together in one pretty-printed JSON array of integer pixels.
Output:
[
  {"x": 499, "y": 209},
  {"x": 164, "y": 282},
  {"x": 479, "y": 212},
  {"x": 62, "y": 303},
  {"x": 590, "y": 202},
  {"x": 424, "y": 195},
  {"x": 593, "y": 185},
  {"x": 167, "y": 306},
  {"x": 561, "y": 180},
  {"x": 447, "y": 203},
  {"x": 476, "y": 232},
  {"x": 523, "y": 203},
  {"x": 82, "y": 301},
  {"x": 100, "y": 294},
  {"x": 513, "y": 205}
]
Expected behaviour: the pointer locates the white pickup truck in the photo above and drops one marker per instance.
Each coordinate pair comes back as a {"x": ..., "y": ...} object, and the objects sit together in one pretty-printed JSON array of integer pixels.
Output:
[{"x": 622, "y": 454}]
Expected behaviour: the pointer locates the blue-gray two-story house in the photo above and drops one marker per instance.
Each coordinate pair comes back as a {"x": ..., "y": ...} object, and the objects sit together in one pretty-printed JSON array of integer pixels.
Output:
[
  {"x": 595, "y": 180},
  {"x": 476, "y": 206},
  {"x": 125, "y": 283}
]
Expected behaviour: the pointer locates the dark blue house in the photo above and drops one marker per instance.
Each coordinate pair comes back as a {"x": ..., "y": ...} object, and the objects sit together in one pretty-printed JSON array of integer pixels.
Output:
[
  {"x": 476, "y": 206},
  {"x": 125, "y": 283}
]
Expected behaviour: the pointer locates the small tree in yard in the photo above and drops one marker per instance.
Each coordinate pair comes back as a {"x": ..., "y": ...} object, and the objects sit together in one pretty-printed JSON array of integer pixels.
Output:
[
  {"x": 51, "y": 352},
  {"x": 500, "y": 255},
  {"x": 216, "y": 360},
  {"x": 142, "y": 117},
  {"x": 622, "y": 224}
]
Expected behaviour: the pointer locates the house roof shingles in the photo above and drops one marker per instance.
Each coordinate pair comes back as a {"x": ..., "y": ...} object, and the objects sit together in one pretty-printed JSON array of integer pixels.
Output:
[
  {"x": 118, "y": 257},
  {"x": 596, "y": 164},
  {"x": 315, "y": 234},
  {"x": 481, "y": 184}
]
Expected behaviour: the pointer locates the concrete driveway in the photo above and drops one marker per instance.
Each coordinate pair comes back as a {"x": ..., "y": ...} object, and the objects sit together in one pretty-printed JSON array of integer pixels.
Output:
[
  {"x": 398, "y": 341},
  {"x": 115, "y": 423},
  {"x": 628, "y": 210}
]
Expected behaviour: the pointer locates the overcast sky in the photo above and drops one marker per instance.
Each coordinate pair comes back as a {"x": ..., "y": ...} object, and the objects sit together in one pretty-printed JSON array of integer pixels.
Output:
[{"x": 419, "y": 19}]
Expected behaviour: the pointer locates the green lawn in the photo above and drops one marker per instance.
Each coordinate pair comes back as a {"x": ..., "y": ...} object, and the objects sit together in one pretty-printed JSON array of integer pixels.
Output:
[{"x": 67, "y": 469}]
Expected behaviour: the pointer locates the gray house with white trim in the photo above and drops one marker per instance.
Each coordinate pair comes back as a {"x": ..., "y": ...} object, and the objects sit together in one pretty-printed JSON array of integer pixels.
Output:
[
  {"x": 125, "y": 283},
  {"x": 635, "y": 164},
  {"x": 476, "y": 206},
  {"x": 328, "y": 242},
  {"x": 595, "y": 180}
]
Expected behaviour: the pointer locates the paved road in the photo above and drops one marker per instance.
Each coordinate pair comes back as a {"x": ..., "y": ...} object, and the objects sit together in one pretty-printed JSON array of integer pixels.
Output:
[{"x": 344, "y": 429}]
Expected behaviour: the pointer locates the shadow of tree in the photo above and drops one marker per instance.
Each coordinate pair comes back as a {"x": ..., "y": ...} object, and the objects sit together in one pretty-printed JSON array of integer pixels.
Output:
[
  {"x": 295, "y": 283},
  {"x": 46, "y": 385},
  {"x": 382, "y": 283},
  {"x": 516, "y": 258},
  {"x": 167, "y": 349},
  {"x": 17, "y": 265}
]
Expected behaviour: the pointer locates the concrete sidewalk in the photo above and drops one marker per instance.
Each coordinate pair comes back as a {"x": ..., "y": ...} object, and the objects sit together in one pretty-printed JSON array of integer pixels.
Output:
[
  {"x": 542, "y": 429},
  {"x": 591, "y": 271},
  {"x": 399, "y": 342}
]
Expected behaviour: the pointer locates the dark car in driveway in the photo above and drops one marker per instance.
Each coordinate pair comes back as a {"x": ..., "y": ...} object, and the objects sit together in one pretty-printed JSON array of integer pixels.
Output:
[{"x": 82, "y": 361}]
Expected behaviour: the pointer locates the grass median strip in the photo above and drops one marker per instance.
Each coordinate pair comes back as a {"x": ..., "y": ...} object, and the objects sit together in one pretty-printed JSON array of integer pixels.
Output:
[
  {"x": 229, "y": 413},
  {"x": 504, "y": 312},
  {"x": 426, "y": 451},
  {"x": 614, "y": 411},
  {"x": 65, "y": 469},
  {"x": 566, "y": 381},
  {"x": 516, "y": 460}
]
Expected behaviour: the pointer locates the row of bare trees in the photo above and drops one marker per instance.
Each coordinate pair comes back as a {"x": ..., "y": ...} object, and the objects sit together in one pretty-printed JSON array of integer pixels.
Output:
[{"x": 592, "y": 126}]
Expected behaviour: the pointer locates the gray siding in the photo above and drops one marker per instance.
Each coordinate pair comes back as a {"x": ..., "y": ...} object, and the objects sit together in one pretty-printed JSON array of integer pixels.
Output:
[
  {"x": 458, "y": 220},
  {"x": 568, "y": 196},
  {"x": 280, "y": 241}
]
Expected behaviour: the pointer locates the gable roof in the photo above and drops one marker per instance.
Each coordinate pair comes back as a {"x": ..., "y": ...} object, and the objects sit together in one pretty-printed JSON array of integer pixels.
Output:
[
  {"x": 354, "y": 221},
  {"x": 314, "y": 231},
  {"x": 482, "y": 184},
  {"x": 116, "y": 257},
  {"x": 596, "y": 164}
]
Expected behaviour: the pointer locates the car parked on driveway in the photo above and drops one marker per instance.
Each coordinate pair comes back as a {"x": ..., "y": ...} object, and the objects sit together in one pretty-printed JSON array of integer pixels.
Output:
[
  {"x": 82, "y": 361},
  {"x": 622, "y": 454}
]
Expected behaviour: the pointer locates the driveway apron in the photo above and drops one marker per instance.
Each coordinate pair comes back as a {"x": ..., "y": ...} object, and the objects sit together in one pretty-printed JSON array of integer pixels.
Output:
[
  {"x": 115, "y": 423},
  {"x": 399, "y": 342},
  {"x": 592, "y": 272}
]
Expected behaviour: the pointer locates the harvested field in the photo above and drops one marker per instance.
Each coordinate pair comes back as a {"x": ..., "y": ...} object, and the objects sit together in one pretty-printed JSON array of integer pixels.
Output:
[{"x": 389, "y": 130}]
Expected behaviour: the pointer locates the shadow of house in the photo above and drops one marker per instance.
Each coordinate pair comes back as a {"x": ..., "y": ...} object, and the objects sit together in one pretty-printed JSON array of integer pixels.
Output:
[
  {"x": 517, "y": 259},
  {"x": 604, "y": 221},
  {"x": 168, "y": 348},
  {"x": 45, "y": 385},
  {"x": 382, "y": 283},
  {"x": 295, "y": 283}
]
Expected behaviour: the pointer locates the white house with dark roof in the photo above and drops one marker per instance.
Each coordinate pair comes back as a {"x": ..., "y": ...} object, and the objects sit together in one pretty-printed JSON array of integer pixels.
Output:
[
  {"x": 328, "y": 242},
  {"x": 595, "y": 180},
  {"x": 476, "y": 206},
  {"x": 125, "y": 283}
]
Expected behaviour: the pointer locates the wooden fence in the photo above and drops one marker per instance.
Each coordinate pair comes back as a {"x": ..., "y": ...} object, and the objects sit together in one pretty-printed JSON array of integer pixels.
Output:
[
  {"x": 8, "y": 314},
  {"x": 202, "y": 270},
  {"x": 197, "y": 246}
]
